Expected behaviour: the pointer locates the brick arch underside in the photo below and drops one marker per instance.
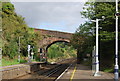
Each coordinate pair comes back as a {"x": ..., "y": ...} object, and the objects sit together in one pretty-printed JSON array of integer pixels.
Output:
[{"x": 47, "y": 42}]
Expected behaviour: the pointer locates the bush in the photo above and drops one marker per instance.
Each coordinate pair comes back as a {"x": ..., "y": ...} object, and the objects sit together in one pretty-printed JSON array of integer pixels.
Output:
[
  {"x": 23, "y": 61},
  {"x": 10, "y": 50}
]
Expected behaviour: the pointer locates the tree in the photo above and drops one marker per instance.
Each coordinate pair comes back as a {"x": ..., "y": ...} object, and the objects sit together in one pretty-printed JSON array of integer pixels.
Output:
[
  {"x": 14, "y": 26},
  {"x": 83, "y": 41},
  {"x": 93, "y": 10}
]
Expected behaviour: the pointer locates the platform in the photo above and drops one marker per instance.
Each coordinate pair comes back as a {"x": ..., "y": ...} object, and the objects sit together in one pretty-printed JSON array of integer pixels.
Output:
[{"x": 78, "y": 72}]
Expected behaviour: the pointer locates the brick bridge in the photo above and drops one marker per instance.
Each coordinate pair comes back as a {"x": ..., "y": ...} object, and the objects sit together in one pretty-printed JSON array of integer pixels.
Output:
[{"x": 50, "y": 37}]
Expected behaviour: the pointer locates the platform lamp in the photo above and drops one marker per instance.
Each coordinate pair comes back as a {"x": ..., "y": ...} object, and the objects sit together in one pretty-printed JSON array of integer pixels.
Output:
[
  {"x": 96, "y": 56},
  {"x": 116, "y": 68}
]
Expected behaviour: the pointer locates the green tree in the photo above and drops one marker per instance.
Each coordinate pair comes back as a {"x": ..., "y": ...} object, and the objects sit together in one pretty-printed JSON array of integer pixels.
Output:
[
  {"x": 83, "y": 41},
  {"x": 61, "y": 50},
  {"x": 93, "y": 10},
  {"x": 14, "y": 27}
]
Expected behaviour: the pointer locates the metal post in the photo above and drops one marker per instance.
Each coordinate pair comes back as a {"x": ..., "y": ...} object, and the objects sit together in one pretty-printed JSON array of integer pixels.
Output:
[
  {"x": 0, "y": 56},
  {"x": 29, "y": 60},
  {"x": 41, "y": 54},
  {"x": 32, "y": 53},
  {"x": 93, "y": 60},
  {"x": 0, "y": 64},
  {"x": 116, "y": 71},
  {"x": 96, "y": 56},
  {"x": 0, "y": 47},
  {"x": 19, "y": 50}
]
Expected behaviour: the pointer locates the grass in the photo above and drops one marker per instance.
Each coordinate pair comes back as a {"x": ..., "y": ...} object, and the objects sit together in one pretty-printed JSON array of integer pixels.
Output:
[
  {"x": 7, "y": 62},
  {"x": 109, "y": 70}
]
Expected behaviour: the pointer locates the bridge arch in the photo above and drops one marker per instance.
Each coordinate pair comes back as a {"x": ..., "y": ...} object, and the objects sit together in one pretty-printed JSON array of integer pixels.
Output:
[
  {"x": 50, "y": 40},
  {"x": 56, "y": 42},
  {"x": 50, "y": 37},
  {"x": 47, "y": 42}
]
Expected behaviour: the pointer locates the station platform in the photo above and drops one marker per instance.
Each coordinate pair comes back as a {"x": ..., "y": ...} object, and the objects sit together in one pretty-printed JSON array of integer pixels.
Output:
[{"x": 78, "y": 72}]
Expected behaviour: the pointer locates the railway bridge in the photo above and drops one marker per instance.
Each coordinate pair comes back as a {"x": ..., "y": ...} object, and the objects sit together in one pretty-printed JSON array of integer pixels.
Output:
[{"x": 50, "y": 37}]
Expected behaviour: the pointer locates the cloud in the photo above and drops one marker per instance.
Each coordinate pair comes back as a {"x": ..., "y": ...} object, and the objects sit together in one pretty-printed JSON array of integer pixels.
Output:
[
  {"x": 47, "y": 0},
  {"x": 65, "y": 15}
]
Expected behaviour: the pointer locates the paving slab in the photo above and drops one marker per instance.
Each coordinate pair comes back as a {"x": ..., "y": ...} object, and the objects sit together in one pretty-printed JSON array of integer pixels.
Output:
[{"x": 78, "y": 72}]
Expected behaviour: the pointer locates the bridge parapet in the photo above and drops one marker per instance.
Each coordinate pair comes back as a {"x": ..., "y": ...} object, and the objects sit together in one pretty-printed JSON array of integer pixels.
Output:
[{"x": 57, "y": 34}]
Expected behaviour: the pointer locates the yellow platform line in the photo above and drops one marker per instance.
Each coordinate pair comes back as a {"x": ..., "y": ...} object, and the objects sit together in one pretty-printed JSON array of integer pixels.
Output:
[{"x": 71, "y": 78}]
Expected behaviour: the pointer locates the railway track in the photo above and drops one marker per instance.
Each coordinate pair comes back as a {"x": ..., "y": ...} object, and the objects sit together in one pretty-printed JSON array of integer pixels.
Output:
[
  {"x": 55, "y": 73},
  {"x": 52, "y": 73}
]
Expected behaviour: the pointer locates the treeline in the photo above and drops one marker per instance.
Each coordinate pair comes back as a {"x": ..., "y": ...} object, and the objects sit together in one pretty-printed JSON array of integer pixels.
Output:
[
  {"x": 84, "y": 38},
  {"x": 15, "y": 30},
  {"x": 60, "y": 51}
]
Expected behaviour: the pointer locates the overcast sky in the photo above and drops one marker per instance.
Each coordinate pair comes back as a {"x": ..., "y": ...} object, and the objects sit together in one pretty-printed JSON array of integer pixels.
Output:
[{"x": 60, "y": 16}]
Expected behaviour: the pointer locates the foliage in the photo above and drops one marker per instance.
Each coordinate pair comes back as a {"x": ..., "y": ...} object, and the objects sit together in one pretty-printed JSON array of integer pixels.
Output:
[
  {"x": 83, "y": 41},
  {"x": 61, "y": 51},
  {"x": 15, "y": 28},
  {"x": 6, "y": 61},
  {"x": 93, "y": 10}
]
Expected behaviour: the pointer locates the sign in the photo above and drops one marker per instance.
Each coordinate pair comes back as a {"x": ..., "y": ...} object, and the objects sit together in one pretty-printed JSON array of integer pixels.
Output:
[{"x": 28, "y": 47}]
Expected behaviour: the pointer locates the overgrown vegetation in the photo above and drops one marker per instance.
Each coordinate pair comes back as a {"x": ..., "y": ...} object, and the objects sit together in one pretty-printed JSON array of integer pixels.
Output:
[
  {"x": 15, "y": 28},
  {"x": 6, "y": 61},
  {"x": 84, "y": 39},
  {"x": 60, "y": 51}
]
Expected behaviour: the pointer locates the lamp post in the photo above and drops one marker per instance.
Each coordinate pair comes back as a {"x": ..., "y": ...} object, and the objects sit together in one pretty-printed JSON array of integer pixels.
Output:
[
  {"x": 116, "y": 68},
  {"x": 1, "y": 53},
  {"x": 18, "y": 49},
  {"x": 32, "y": 53},
  {"x": 29, "y": 60},
  {"x": 96, "y": 55}
]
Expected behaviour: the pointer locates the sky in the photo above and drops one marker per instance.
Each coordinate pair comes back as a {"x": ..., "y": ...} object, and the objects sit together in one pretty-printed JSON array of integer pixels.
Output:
[{"x": 58, "y": 16}]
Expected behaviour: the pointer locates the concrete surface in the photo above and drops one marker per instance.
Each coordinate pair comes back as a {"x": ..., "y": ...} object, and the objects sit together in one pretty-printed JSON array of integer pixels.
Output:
[
  {"x": 14, "y": 71},
  {"x": 79, "y": 72}
]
